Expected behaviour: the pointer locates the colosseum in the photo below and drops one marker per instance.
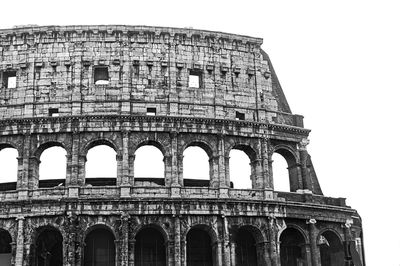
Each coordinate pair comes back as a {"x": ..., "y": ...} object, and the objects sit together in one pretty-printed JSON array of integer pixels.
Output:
[{"x": 126, "y": 87}]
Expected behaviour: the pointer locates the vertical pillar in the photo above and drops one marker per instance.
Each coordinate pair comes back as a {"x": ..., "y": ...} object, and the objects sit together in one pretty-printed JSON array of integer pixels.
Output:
[
  {"x": 223, "y": 179},
  {"x": 174, "y": 173},
  {"x": 124, "y": 241},
  {"x": 307, "y": 184},
  {"x": 119, "y": 160},
  {"x": 233, "y": 253},
  {"x": 315, "y": 255},
  {"x": 218, "y": 252},
  {"x": 131, "y": 251},
  {"x": 124, "y": 167},
  {"x": 183, "y": 252},
  {"x": 73, "y": 162},
  {"x": 33, "y": 177},
  {"x": 213, "y": 165},
  {"x": 226, "y": 251},
  {"x": 273, "y": 244},
  {"x": 177, "y": 242},
  {"x": 266, "y": 180},
  {"x": 308, "y": 254},
  {"x": 19, "y": 254}
]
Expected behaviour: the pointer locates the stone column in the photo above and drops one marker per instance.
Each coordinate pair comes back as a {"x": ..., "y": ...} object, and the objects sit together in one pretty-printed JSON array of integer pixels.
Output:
[
  {"x": 177, "y": 241},
  {"x": 33, "y": 178},
  {"x": 307, "y": 184},
  {"x": 257, "y": 176},
  {"x": 226, "y": 251},
  {"x": 183, "y": 252},
  {"x": 218, "y": 252},
  {"x": 273, "y": 244},
  {"x": 119, "y": 160},
  {"x": 265, "y": 167},
  {"x": 125, "y": 159},
  {"x": 233, "y": 253},
  {"x": 73, "y": 162},
  {"x": 124, "y": 241},
  {"x": 131, "y": 251},
  {"x": 315, "y": 255},
  {"x": 308, "y": 259},
  {"x": 214, "y": 178},
  {"x": 19, "y": 256},
  {"x": 223, "y": 179}
]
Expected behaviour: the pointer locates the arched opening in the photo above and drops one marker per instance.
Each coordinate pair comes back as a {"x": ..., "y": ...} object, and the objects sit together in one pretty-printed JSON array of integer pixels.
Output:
[
  {"x": 198, "y": 248},
  {"x": 99, "y": 248},
  {"x": 53, "y": 167},
  {"x": 49, "y": 248},
  {"x": 196, "y": 167},
  {"x": 292, "y": 248},
  {"x": 5, "y": 248},
  {"x": 9, "y": 168},
  {"x": 150, "y": 248},
  {"x": 101, "y": 166},
  {"x": 246, "y": 250},
  {"x": 331, "y": 249},
  {"x": 239, "y": 169},
  {"x": 280, "y": 173},
  {"x": 149, "y": 166}
]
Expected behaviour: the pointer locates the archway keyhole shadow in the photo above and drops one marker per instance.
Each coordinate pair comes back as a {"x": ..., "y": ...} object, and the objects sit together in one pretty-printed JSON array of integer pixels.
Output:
[
  {"x": 239, "y": 169},
  {"x": 8, "y": 165},
  {"x": 280, "y": 173},
  {"x": 149, "y": 162},
  {"x": 101, "y": 162},
  {"x": 196, "y": 163}
]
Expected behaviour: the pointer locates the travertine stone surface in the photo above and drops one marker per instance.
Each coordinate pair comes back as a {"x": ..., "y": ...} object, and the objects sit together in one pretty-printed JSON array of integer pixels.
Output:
[{"x": 238, "y": 104}]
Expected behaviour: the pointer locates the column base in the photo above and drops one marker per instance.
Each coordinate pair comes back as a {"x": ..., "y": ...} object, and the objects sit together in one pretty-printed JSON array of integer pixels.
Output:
[
  {"x": 175, "y": 191},
  {"x": 125, "y": 191},
  {"x": 73, "y": 192},
  {"x": 22, "y": 194}
]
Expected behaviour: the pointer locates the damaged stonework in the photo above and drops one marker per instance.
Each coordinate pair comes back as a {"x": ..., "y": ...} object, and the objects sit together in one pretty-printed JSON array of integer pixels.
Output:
[{"x": 77, "y": 87}]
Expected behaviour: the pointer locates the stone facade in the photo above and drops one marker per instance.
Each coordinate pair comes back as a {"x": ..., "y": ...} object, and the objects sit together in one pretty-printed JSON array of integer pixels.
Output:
[{"x": 171, "y": 88}]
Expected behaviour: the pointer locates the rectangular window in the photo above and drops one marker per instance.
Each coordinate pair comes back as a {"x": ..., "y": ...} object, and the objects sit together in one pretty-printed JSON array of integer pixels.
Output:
[
  {"x": 239, "y": 116},
  {"x": 151, "y": 111},
  {"x": 10, "y": 79},
  {"x": 53, "y": 112},
  {"x": 101, "y": 76},
  {"x": 194, "y": 79}
]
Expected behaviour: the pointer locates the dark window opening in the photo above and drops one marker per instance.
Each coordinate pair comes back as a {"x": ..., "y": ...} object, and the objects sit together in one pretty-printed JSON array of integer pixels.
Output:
[
  {"x": 99, "y": 248},
  {"x": 239, "y": 116},
  {"x": 53, "y": 112},
  {"x": 150, "y": 248},
  {"x": 101, "y": 76},
  {"x": 331, "y": 249},
  {"x": 151, "y": 111},
  {"x": 49, "y": 248},
  {"x": 292, "y": 246},
  {"x": 194, "y": 79},
  {"x": 10, "y": 79},
  {"x": 148, "y": 81},
  {"x": 5, "y": 248},
  {"x": 246, "y": 250},
  {"x": 199, "y": 250}
]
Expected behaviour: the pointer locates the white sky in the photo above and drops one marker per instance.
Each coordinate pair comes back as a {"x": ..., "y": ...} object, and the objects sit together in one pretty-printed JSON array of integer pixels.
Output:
[{"x": 338, "y": 62}]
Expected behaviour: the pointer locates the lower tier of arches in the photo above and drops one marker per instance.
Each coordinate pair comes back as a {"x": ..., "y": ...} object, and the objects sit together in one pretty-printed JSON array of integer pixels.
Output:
[{"x": 184, "y": 240}]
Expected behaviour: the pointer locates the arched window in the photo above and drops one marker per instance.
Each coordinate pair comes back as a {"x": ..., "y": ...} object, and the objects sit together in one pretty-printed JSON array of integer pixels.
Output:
[
  {"x": 292, "y": 248},
  {"x": 5, "y": 248},
  {"x": 52, "y": 168},
  {"x": 9, "y": 168},
  {"x": 280, "y": 173},
  {"x": 246, "y": 250},
  {"x": 149, "y": 166},
  {"x": 331, "y": 249},
  {"x": 196, "y": 167},
  {"x": 99, "y": 248},
  {"x": 239, "y": 169},
  {"x": 199, "y": 250},
  {"x": 49, "y": 248},
  {"x": 150, "y": 248},
  {"x": 101, "y": 166}
]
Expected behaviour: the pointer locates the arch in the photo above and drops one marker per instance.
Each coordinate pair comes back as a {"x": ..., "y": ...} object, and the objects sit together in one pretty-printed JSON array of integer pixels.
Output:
[
  {"x": 101, "y": 166},
  {"x": 197, "y": 164},
  {"x": 48, "y": 247},
  {"x": 292, "y": 247},
  {"x": 151, "y": 142},
  {"x": 207, "y": 147},
  {"x": 99, "y": 246},
  {"x": 149, "y": 161},
  {"x": 292, "y": 171},
  {"x": 150, "y": 247},
  {"x": 9, "y": 167},
  {"x": 199, "y": 247},
  {"x": 44, "y": 146},
  {"x": 53, "y": 165},
  {"x": 240, "y": 169},
  {"x": 99, "y": 141},
  {"x": 247, "y": 252},
  {"x": 5, "y": 248},
  {"x": 331, "y": 248},
  {"x": 246, "y": 148}
]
